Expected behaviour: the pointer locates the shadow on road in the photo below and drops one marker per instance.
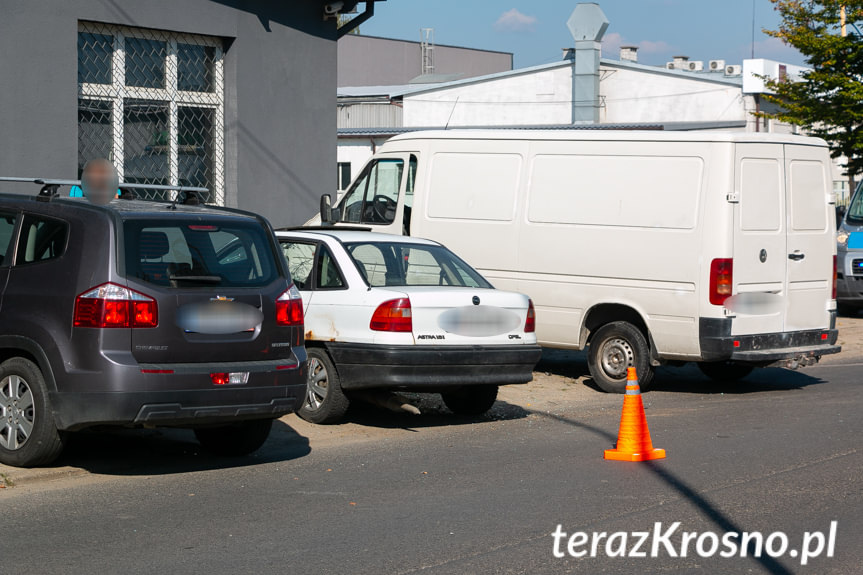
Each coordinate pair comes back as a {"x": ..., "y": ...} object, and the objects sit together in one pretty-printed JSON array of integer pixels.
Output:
[
  {"x": 169, "y": 451},
  {"x": 691, "y": 494},
  {"x": 433, "y": 414},
  {"x": 684, "y": 379}
]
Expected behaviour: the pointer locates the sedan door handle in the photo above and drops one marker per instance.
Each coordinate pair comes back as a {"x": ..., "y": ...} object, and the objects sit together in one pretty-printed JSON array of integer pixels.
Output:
[{"x": 796, "y": 256}]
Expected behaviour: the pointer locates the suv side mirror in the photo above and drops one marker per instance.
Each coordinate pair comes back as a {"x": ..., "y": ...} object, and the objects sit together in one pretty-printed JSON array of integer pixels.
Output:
[
  {"x": 840, "y": 215},
  {"x": 326, "y": 209}
]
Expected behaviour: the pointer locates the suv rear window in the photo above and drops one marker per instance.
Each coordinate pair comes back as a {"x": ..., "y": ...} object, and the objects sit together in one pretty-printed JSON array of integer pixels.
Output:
[{"x": 181, "y": 253}]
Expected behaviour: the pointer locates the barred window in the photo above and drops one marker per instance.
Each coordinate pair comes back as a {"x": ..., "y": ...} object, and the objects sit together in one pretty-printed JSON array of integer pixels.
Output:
[{"x": 153, "y": 103}]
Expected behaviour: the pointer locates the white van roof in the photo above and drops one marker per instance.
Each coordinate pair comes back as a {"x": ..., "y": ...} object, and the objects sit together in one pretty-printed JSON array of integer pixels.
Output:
[{"x": 593, "y": 134}]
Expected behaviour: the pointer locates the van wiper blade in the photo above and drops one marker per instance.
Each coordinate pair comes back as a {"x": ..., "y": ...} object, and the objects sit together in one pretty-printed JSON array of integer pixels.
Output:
[{"x": 202, "y": 279}]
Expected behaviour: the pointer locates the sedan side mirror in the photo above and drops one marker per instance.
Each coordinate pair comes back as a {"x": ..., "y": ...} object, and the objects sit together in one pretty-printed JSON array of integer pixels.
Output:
[{"x": 326, "y": 209}]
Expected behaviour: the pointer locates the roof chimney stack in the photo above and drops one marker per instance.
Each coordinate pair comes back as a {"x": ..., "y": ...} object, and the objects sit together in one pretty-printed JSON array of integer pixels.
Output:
[{"x": 629, "y": 53}]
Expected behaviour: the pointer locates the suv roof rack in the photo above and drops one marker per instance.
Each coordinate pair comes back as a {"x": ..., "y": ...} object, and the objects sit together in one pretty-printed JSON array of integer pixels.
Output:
[{"x": 51, "y": 185}]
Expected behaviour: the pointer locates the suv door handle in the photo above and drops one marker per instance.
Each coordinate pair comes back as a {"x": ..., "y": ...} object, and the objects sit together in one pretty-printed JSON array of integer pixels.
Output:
[{"x": 796, "y": 256}]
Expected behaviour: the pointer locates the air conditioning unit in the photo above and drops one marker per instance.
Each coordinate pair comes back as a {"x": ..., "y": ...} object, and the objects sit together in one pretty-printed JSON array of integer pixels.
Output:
[
  {"x": 733, "y": 70},
  {"x": 695, "y": 66},
  {"x": 670, "y": 66},
  {"x": 716, "y": 65}
]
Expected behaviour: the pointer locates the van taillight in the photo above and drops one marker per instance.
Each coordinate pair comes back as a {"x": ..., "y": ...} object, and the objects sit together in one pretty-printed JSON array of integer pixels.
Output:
[
  {"x": 393, "y": 315},
  {"x": 289, "y": 307},
  {"x": 835, "y": 277},
  {"x": 112, "y": 305},
  {"x": 530, "y": 322},
  {"x": 721, "y": 280}
]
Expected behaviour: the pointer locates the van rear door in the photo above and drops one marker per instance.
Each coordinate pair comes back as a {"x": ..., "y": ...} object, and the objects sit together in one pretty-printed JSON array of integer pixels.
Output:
[
  {"x": 760, "y": 243},
  {"x": 811, "y": 240},
  {"x": 783, "y": 240}
]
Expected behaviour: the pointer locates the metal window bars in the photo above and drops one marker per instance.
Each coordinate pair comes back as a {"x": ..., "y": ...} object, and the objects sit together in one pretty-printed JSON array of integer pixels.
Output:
[{"x": 152, "y": 102}]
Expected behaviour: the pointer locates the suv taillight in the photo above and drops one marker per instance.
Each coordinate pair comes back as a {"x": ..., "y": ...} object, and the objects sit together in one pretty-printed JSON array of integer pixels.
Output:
[
  {"x": 721, "y": 280},
  {"x": 289, "y": 307},
  {"x": 393, "y": 315},
  {"x": 112, "y": 305},
  {"x": 835, "y": 277},
  {"x": 530, "y": 322}
]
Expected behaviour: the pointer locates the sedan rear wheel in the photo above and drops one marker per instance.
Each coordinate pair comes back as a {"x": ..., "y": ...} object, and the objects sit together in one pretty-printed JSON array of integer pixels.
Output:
[{"x": 324, "y": 401}]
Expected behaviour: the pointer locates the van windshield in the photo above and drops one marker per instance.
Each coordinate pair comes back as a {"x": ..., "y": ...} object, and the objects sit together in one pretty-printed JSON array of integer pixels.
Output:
[
  {"x": 193, "y": 253},
  {"x": 406, "y": 264}
]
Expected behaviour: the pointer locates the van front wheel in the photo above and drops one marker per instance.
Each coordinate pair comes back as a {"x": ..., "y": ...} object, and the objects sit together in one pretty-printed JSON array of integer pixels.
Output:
[{"x": 614, "y": 348}]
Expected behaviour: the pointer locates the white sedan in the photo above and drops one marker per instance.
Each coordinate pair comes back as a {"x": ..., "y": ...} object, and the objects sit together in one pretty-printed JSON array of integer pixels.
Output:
[{"x": 385, "y": 312}]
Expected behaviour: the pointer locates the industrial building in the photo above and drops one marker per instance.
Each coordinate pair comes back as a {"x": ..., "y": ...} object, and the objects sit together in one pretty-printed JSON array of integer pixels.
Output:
[{"x": 581, "y": 90}]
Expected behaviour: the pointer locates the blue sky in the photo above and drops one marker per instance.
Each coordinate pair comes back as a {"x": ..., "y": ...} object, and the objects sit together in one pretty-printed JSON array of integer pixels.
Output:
[{"x": 536, "y": 31}]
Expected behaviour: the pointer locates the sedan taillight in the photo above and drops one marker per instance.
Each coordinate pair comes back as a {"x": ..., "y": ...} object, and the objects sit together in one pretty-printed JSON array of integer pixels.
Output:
[
  {"x": 393, "y": 315},
  {"x": 289, "y": 308},
  {"x": 110, "y": 305},
  {"x": 530, "y": 322}
]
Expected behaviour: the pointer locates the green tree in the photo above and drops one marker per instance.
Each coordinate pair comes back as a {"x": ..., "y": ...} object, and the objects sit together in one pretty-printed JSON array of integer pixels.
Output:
[{"x": 828, "y": 102}]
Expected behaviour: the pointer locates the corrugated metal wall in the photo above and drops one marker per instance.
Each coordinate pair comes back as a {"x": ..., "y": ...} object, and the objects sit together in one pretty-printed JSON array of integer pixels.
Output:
[{"x": 369, "y": 115}]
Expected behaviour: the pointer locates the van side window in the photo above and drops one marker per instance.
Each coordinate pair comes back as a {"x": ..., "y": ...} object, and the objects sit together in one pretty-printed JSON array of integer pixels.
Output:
[
  {"x": 41, "y": 239},
  {"x": 374, "y": 197},
  {"x": 7, "y": 228}
]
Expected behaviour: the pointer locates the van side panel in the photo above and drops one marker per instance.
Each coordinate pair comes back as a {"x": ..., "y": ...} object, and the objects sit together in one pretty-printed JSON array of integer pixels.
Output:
[
  {"x": 614, "y": 222},
  {"x": 468, "y": 195}
]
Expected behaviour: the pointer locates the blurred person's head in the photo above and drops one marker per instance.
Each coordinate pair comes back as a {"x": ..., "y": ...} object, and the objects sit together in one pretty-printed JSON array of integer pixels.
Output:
[{"x": 99, "y": 181}]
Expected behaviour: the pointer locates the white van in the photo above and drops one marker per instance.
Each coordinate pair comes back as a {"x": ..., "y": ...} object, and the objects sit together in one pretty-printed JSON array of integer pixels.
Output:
[{"x": 647, "y": 247}]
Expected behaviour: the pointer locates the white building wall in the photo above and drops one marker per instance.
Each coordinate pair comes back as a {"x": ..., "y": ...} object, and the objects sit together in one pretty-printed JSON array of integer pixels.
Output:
[
  {"x": 540, "y": 97},
  {"x": 634, "y": 96}
]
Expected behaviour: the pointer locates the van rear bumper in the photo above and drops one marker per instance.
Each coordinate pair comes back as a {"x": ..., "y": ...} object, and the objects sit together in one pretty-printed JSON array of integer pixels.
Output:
[
  {"x": 793, "y": 348},
  {"x": 432, "y": 368}
]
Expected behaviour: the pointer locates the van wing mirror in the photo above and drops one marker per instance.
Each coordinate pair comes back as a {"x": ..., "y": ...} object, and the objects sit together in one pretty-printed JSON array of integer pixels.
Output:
[{"x": 326, "y": 209}]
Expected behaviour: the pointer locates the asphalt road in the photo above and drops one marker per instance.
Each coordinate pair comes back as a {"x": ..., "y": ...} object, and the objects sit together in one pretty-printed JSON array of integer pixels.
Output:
[{"x": 438, "y": 494}]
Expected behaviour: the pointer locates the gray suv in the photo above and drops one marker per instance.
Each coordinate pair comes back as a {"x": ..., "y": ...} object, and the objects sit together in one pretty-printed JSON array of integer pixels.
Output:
[{"x": 142, "y": 314}]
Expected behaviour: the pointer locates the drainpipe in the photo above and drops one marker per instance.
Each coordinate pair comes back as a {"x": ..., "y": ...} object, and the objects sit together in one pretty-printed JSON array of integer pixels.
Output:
[{"x": 587, "y": 24}]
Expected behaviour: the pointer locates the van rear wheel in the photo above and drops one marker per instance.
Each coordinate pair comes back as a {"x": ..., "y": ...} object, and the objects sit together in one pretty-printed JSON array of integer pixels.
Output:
[
  {"x": 725, "y": 370},
  {"x": 615, "y": 347}
]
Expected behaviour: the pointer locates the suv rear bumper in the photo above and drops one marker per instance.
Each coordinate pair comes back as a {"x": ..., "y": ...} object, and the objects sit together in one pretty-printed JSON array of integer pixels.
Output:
[
  {"x": 788, "y": 349},
  {"x": 432, "y": 368},
  {"x": 268, "y": 394}
]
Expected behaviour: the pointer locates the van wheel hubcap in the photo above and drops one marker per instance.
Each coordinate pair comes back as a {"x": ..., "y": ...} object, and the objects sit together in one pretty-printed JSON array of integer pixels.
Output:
[
  {"x": 16, "y": 412},
  {"x": 616, "y": 355},
  {"x": 316, "y": 390}
]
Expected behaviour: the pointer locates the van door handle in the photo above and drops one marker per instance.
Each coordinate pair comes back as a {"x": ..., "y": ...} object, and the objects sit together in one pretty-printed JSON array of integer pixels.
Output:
[{"x": 796, "y": 256}]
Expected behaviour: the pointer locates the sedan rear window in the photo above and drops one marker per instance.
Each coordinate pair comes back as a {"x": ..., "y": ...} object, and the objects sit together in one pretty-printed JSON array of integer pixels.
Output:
[
  {"x": 405, "y": 264},
  {"x": 177, "y": 253}
]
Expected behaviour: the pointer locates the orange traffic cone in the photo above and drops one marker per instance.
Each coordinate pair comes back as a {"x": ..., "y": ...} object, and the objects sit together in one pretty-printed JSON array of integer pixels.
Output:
[{"x": 633, "y": 439}]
